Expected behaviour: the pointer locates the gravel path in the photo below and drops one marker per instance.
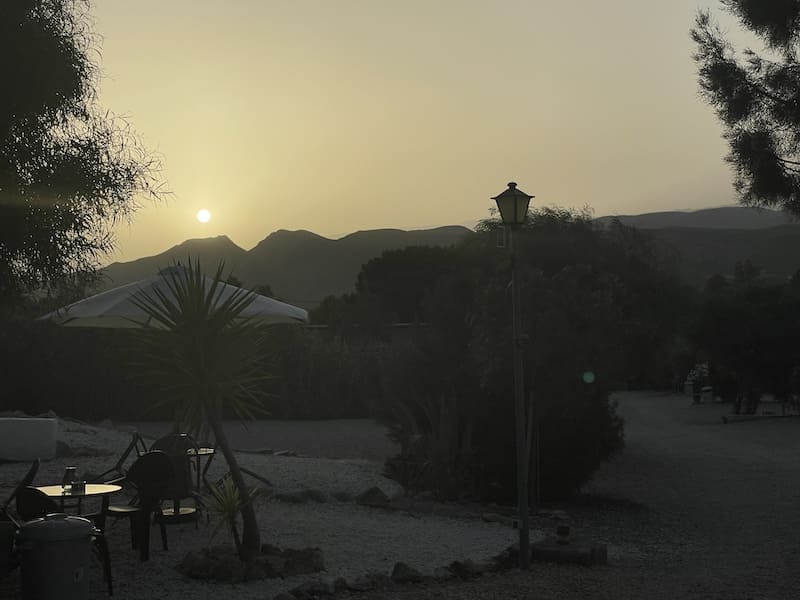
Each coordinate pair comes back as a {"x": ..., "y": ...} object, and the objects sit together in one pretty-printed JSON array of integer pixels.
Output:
[{"x": 692, "y": 509}]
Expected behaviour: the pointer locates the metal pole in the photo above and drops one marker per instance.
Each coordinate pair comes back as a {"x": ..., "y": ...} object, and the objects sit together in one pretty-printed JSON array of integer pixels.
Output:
[{"x": 520, "y": 417}]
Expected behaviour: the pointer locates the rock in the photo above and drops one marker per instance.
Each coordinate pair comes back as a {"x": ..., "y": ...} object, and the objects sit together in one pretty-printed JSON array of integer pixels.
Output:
[
  {"x": 361, "y": 584},
  {"x": 63, "y": 449},
  {"x": 402, "y": 573},
  {"x": 343, "y": 496},
  {"x": 273, "y": 565},
  {"x": 317, "y": 495},
  {"x": 374, "y": 496},
  {"x": 443, "y": 574},
  {"x": 284, "y": 596},
  {"x": 302, "y": 562},
  {"x": 315, "y": 587},
  {"x": 285, "y": 453},
  {"x": 551, "y": 550},
  {"x": 371, "y": 581},
  {"x": 469, "y": 569},
  {"x": 295, "y": 497}
]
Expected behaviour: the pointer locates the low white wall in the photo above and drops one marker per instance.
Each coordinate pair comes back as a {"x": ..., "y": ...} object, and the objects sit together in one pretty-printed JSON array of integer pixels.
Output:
[{"x": 26, "y": 439}]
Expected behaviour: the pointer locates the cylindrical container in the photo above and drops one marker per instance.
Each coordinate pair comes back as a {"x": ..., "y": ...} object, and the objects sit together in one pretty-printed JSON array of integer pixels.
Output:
[
  {"x": 70, "y": 477},
  {"x": 56, "y": 553}
]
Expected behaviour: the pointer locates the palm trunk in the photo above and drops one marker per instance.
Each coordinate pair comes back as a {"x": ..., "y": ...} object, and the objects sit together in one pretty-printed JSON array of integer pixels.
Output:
[{"x": 251, "y": 539}]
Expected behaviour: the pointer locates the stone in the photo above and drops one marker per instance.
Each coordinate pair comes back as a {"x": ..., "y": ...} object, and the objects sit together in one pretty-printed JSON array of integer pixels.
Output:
[
  {"x": 361, "y": 584},
  {"x": 285, "y": 453},
  {"x": 343, "y": 496},
  {"x": 302, "y": 562},
  {"x": 284, "y": 596},
  {"x": 62, "y": 449},
  {"x": 469, "y": 569},
  {"x": 295, "y": 497},
  {"x": 273, "y": 565},
  {"x": 550, "y": 550},
  {"x": 402, "y": 573},
  {"x": 317, "y": 495},
  {"x": 315, "y": 587},
  {"x": 443, "y": 574},
  {"x": 374, "y": 496}
]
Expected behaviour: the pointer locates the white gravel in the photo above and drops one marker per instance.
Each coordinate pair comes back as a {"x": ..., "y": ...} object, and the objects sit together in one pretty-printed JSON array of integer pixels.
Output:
[{"x": 354, "y": 539}]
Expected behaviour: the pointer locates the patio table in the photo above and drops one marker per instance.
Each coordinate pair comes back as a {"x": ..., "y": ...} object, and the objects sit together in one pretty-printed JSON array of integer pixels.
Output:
[
  {"x": 206, "y": 452},
  {"x": 92, "y": 490}
]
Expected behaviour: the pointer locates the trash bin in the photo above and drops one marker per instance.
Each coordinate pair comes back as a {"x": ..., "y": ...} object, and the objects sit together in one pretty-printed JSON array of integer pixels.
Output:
[{"x": 56, "y": 552}]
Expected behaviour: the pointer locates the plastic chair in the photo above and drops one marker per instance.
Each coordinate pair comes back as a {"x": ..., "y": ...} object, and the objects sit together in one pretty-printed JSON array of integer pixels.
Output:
[
  {"x": 24, "y": 482},
  {"x": 33, "y": 503},
  {"x": 118, "y": 470},
  {"x": 150, "y": 475},
  {"x": 178, "y": 446}
]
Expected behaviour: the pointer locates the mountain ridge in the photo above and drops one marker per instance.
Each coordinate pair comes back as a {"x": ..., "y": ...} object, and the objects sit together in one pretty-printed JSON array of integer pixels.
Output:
[{"x": 303, "y": 267}]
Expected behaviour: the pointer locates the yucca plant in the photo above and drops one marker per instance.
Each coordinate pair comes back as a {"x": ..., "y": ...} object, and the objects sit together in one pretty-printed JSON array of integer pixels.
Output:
[
  {"x": 226, "y": 503},
  {"x": 206, "y": 359}
]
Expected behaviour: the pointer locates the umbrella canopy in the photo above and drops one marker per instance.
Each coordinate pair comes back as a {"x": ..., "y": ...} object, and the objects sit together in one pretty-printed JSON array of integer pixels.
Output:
[{"x": 116, "y": 308}]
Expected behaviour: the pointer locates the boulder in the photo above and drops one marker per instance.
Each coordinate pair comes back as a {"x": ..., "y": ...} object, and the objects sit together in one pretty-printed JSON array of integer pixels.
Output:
[
  {"x": 469, "y": 569},
  {"x": 402, "y": 573},
  {"x": 374, "y": 496},
  {"x": 315, "y": 587}
]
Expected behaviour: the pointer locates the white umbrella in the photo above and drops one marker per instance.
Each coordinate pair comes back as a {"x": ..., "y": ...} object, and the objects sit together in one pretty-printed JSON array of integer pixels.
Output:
[{"x": 116, "y": 308}]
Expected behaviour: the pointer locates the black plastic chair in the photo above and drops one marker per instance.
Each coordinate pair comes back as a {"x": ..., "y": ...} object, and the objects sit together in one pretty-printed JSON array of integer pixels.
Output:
[
  {"x": 178, "y": 447},
  {"x": 33, "y": 503},
  {"x": 118, "y": 470},
  {"x": 24, "y": 482},
  {"x": 150, "y": 475}
]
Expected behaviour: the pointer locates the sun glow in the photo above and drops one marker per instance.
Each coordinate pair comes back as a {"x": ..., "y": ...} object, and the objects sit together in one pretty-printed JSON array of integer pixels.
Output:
[{"x": 203, "y": 215}]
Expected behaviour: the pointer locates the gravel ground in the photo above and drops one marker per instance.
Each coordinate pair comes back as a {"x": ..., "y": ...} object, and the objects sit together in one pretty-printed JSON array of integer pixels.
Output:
[{"x": 691, "y": 509}]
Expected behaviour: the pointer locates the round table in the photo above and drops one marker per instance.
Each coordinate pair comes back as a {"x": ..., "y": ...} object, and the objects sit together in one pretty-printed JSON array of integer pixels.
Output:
[
  {"x": 92, "y": 490},
  {"x": 199, "y": 454}
]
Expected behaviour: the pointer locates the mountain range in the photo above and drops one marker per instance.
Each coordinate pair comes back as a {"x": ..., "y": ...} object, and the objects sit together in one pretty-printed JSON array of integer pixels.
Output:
[{"x": 302, "y": 267}]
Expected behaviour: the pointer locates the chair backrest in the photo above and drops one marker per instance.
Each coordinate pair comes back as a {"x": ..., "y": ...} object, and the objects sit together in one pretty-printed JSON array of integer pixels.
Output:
[
  {"x": 8, "y": 531},
  {"x": 24, "y": 482},
  {"x": 176, "y": 446},
  {"x": 33, "y": 503},
  {"x": 152, "y": 474}
]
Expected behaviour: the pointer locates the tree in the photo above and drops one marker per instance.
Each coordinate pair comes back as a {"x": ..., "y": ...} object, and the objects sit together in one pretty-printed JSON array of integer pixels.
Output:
[
  {"x": 757, "y": 98},
  {"x": 207, "y": 359},
  {"x": 68, "y": 170},
  {"x": 599, "y": 306}
]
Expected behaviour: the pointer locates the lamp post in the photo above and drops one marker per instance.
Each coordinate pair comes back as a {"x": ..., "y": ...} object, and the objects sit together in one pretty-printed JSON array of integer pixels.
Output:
[{"x": 513, "y": 206}]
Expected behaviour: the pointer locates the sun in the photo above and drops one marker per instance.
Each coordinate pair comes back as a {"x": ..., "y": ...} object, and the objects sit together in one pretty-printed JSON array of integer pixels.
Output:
[{"x": 203, "y": 215}]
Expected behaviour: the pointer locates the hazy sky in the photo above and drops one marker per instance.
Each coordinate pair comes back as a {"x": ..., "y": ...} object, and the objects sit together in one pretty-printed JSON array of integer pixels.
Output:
[{"x": 341, "y": 115}]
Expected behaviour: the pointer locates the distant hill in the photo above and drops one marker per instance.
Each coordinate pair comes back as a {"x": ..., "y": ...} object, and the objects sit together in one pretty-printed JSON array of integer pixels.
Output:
[
  {"x": 724, "y": 217},
  {"x": 301, "y": 267},
  {"x": 705, "y": 252},
  {"x": 208, "y": 250}
]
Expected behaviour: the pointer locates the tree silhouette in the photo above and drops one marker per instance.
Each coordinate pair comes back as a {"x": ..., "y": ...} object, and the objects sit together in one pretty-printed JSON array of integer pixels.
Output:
[
  {"x": 68, "y": 171},
  {"x": 757, "y": 98}
]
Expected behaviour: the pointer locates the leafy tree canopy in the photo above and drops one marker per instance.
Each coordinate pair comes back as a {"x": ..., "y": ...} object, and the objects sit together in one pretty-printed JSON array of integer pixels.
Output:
[
  {"x": 757, "y": 98},
  {"x": 68, "y": 171}
]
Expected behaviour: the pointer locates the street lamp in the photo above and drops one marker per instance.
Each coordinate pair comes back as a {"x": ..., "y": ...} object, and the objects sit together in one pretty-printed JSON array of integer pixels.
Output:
[{"x": 513, "y": 206}]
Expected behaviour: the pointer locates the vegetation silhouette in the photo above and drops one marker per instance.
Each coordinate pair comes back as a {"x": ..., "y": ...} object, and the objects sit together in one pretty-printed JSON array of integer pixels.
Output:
[
  {"x": 205, "y": 359},
  {"x": 68, "y": 170},
  {"x": 756, "y": 97}
]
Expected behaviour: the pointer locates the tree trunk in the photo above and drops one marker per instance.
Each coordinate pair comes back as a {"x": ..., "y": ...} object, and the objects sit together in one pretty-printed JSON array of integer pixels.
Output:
[{"x": 251, "y": 538}]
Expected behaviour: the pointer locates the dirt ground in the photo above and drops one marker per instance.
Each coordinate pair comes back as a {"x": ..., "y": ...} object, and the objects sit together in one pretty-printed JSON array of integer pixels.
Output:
[
  {"x": 692, "y": 508},
  {"x": 336, "y": 438}
]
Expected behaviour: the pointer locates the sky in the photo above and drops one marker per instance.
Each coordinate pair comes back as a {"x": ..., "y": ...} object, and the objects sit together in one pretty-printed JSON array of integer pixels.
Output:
[{"x": 335, "y": 116}]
